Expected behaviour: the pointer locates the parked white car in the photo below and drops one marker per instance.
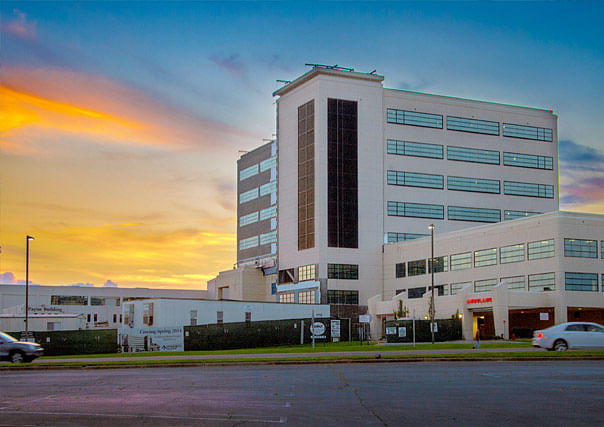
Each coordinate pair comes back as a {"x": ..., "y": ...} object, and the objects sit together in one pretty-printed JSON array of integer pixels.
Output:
[{"x": 570, "y": 335}]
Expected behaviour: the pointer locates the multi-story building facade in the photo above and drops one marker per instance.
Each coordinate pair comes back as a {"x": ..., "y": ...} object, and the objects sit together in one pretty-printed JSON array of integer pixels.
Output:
[
  {"x": 525, "y": 274},
  {"x": 360, "y": 166}
]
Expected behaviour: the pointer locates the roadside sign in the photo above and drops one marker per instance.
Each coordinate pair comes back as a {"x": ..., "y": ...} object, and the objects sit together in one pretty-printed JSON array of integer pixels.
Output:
[
  {"x": 365, "y": 318},
  {"x": 317, "y": 328},
  {"x": 402, "y": 332},
  {"x": 391, "y": 330},
  {"x": 335, "y": 329}
]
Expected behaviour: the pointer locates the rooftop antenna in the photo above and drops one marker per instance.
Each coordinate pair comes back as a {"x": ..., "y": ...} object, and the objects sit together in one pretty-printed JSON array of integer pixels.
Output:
[
  {"x": 284, "y": 81},
  {"x": 373, "y": 72}
]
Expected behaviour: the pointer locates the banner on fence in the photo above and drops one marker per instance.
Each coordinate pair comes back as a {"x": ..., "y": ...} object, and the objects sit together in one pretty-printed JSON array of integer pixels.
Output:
[{"x": 151, "y": 339}]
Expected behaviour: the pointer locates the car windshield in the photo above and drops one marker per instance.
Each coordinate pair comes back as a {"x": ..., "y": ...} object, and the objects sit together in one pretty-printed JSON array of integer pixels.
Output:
[{"x": 6, "y": 338}]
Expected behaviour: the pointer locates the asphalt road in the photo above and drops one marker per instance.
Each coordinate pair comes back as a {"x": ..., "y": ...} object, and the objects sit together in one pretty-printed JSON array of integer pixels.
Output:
[{"x": 428, "y": 393}]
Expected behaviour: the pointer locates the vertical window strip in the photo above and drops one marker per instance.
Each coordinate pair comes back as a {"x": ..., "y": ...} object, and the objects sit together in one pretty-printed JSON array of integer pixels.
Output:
[
  {"x": 527, "y": 132},
  {"x": 268, "y": 213},
  {"x": 461, "y": 261},
  {"x": 268, "y": 188}
]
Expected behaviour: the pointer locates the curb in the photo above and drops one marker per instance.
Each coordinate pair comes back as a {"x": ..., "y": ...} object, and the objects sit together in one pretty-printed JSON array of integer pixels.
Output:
[{"x": 205, "y": 363}]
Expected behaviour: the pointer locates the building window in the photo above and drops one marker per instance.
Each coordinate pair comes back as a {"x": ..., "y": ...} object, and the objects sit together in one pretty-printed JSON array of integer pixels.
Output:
[
  {"x": 512, "y": 253},
  {"x": 88, "y": 317},
  {"x": 417, "y": 267},
  {"x": 273, "y": 288},
  {"x": 542, "y": 249},
  {"x": 307, "y": 297},
  {"x": 461, "y": 261},
  {"x": 250, "y": 242},
  {"x": 287, "y": 298},
  {"x": 543, "y": 282},
  {"x": 416, "y": 292},
  {"x": 400, "y": 270},
  {"x": 68, "y": 300},
  {"x": 193, "y": 318},
  {"x": 462, "y": 213},
  {"x": 248, "y": 316},
  {"x": 412, "y": 179},
  {"x": 114, "y": 318},
  {"x": 120, "y": 318},
  {"x": 527, "y": 132},
  {"x": 306, "y": 175},
  {"x": 581, "y": 248},
  {"x": 267, "y": 238},
  {"x": 414, "y": 149},
  {"x": 413, "y": 118},
  {"x": 456, "y": 287},
  {"x": 248, "y": 219},
  {"x": 268, "y": 163},
  {"x": 528, "y": 161},
  {"x": 219, "y": 317},
  {"x": 581, "y": 282},
  {"x": 515, "y": 283},
  {"x": 306, "y": 272},
  {"x": 268, "y": 213},
  {"x": 484, "y": 285},
  {"x": 342, "y": 297},
  {"x": 441, "y": 264},
  {"x": 248, "y": 172},
  {"x": 528, "y": 189},
  {"x": 342, "y": 174},
  {"x": 108, "y": 301},
  {"x": 343, "y": 271},
  {"x": 248, "y": 195},
  {"x": 473, "y": 155},
  {"x": 509, "y": 215},
  {"x": 286, "y": 276},
  {"x": 477, "y": 185},
  {"x": 416, "y": 210},
  {"x": 268, "y": 188},
  {"x": 472, "y": 125},
  {"x": 402, "y": 237},
  {"x": 147, "y": 314},
  {"x": 485, "y": 257}
]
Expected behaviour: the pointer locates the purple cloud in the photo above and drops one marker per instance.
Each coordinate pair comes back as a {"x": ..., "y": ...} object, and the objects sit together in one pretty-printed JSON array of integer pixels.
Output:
[{"x": 19, "y": 27}]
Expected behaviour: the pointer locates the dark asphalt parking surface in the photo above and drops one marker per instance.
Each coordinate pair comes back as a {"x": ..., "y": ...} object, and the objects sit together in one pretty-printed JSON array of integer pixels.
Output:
[{"x": 428, "y": 393}]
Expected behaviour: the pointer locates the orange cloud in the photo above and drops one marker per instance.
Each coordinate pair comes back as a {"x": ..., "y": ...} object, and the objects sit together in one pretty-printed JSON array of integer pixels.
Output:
[{"x": 36, "y": 102}]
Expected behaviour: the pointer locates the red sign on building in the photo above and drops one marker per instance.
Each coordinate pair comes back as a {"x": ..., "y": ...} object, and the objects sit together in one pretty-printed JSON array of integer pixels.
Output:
[{"x": 479, "y": 300}]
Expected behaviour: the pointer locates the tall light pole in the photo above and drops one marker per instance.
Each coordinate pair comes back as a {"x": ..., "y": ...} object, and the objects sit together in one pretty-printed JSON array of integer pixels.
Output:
[
  {"x": 27, "y": 239},
  {"x": 431, "y": 265}
]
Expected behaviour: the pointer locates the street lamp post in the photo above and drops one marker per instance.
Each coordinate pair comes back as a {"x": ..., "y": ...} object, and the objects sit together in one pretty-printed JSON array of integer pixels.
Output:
[
  {"x": 27, "y": 239},
  {"x": 431, "y": 265}
]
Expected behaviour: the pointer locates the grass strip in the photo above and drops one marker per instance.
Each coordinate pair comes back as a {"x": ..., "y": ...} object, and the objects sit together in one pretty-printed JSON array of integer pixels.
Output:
[{"x": 568, "y": 355}]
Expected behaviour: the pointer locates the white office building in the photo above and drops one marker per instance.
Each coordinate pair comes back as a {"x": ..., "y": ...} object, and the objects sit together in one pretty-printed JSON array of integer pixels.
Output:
[{"x": 360, "y": 165}]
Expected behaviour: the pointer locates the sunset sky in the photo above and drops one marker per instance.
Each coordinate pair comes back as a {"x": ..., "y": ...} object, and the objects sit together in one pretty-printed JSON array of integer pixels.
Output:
[{"x": 121, "y": 123}]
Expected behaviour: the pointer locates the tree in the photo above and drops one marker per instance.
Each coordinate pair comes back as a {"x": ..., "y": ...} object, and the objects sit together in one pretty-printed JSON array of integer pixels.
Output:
[
  {"x": 402, "y": 310},
  {"x": 431, "y": 308}
]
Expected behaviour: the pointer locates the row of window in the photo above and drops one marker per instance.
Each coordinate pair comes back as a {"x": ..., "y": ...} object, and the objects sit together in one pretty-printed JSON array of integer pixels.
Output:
[
  {"x": 457, "y": 213},
  {"x": 343, "y": 271},
  {"x": 462, "y": 124},
  {"x": 255, "y": 169},
  {"x": 254, "y": 241},
  {"x": 304, "y": 297},
  {"x": 472, "y": 155},
  {"x": 83, "y": 300},
  {"x": 461, "y": 183},
  {"x": 253, "y": 217},
  {"x": 507, "y": 254}
]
